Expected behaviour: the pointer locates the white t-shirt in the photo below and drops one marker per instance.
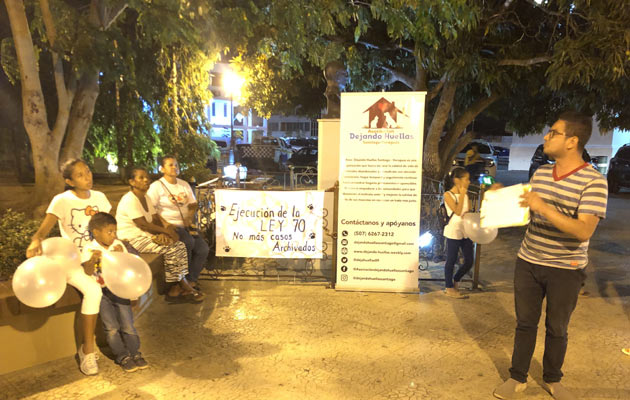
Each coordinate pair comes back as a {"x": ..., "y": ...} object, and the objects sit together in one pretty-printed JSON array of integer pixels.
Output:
[
  {"x": 455, "y": 227},
  {"x": 167, "y": 203},
  {"x": 75, "y": 213},
  {"x": 90, "y": 247},
  {"x": 129, "y": 209}
]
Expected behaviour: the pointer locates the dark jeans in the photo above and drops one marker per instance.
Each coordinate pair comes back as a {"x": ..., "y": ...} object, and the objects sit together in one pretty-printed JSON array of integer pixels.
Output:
[
  {"x": 532, "y": 283},
  {"x": 197, "y": 253},
  {"x": 452, "y": 249},
  {"x": 117, "y": 318}
]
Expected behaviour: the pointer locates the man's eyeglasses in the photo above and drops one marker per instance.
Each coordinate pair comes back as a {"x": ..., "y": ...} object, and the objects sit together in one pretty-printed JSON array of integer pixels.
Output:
[{"x": 553, "y": 132}]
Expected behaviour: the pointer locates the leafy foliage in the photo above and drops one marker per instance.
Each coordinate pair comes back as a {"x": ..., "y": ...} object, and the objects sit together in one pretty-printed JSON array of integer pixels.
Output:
[
  {"x": 155, "y": 86},
  {"x": 16, "y": 230}
]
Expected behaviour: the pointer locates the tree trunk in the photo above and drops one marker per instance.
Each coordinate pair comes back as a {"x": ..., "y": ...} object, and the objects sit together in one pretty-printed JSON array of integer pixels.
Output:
[
  {"x": 48, "y": 179},
  {"x": 80, "y": 116},
  {"x": 447, "y": 144},
  {"x": 45, "y": 143},
  {"x": 431, "y": 161}
]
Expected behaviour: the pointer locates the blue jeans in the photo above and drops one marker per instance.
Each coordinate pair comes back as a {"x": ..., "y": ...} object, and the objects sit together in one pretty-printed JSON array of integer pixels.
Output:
[
  {"x": 452, "y": 249},
  {"x": 117, "y": 318},
  {"x": 197, "y": 253},
  {"x": 561, "y": 287}
]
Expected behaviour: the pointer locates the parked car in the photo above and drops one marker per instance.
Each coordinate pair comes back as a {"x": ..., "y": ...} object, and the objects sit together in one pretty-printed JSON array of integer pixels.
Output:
[
  {"x": 501, "y": 151},
  {"x": 305, "y": 157},
  {"x": 298, "y": 143},
  {"x": 619, "y": 170},
  {"x": 540, "y": 158},
  {"x": 487, "y": 153}
]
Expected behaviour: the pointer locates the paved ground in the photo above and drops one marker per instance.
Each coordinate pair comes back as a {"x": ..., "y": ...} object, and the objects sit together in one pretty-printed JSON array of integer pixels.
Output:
[{"x": 268, "y": 340}]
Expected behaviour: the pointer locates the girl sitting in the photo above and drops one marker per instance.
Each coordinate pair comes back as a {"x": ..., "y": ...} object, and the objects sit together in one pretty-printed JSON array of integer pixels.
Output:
[
  {"x": 73, "y": 209},
  {"x": 175, "y": 202},
  {"x": 147, "y": 232}
]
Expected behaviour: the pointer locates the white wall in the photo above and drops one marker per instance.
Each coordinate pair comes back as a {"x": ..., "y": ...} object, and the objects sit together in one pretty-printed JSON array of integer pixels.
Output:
[{"x": 601, "y": 144}]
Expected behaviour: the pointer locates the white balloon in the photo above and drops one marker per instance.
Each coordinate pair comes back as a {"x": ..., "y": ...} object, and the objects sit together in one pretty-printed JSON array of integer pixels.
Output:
[
  {"x": 60, "y": 247},
  {"x": 126, "y": 275},
  {"x": 40, "y": 281},
  {"x": 473, "y": 229}
]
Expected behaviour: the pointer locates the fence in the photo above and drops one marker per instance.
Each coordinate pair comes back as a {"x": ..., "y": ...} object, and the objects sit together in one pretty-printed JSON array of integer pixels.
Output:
[
  {"x": 297, "y": 178},
  {"x": 300, "y": 178}
]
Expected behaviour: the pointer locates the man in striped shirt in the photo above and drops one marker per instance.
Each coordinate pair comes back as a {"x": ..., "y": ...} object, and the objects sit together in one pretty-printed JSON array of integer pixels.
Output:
[{"x": 566, "y": 202}]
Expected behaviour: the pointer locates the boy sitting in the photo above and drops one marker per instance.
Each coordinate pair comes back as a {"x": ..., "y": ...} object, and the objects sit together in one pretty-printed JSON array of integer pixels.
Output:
[{"x": 115, "y": 312}]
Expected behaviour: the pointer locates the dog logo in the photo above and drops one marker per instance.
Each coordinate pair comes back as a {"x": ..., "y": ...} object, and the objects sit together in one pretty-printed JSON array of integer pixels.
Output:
[{"x": 385, "y": 113}]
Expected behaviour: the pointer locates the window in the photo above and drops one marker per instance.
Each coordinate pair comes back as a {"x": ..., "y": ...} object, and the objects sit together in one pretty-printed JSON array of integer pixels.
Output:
[
  {"x": 483, "y": 148},
  {"x": 273, "y": 126},
  {"x": 217, "y": 79}
]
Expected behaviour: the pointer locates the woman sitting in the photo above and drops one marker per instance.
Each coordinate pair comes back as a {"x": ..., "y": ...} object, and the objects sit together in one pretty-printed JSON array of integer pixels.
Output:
[
  {"x": 175, "y": 202},
  {"x": 142, "y": 227}
]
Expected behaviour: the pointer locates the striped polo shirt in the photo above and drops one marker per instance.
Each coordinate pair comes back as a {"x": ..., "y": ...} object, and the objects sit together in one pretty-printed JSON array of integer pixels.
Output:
[{"x": 583, "y": 191}]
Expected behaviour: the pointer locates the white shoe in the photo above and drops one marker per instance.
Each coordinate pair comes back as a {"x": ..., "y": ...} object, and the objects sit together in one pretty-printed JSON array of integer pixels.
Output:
[{"x": 87, "y": 362}]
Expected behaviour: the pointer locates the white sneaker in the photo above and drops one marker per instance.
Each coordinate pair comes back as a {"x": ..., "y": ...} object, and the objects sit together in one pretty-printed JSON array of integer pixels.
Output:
[{"x": 87, "y": 362}]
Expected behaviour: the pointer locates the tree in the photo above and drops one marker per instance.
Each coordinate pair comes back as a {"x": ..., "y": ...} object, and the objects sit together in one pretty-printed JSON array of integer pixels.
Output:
[
  {"x": 76, "y": 81},
  {"x": 281, "y": 47},
  {"x": 515, "y": 58},
  {"x": 83, "y": 41},
  {"x": 155, "y": 87}
]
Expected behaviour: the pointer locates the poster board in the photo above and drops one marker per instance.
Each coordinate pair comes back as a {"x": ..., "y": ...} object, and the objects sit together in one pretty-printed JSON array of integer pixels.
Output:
[
  {"x": 380, "y": 172},
  {"x": 269, "y": 224}
]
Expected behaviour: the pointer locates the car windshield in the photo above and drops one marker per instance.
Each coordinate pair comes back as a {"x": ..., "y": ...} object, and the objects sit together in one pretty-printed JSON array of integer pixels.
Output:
[
  {"x": 483, "y": 148},
  {"x": 299, "y": 142}
]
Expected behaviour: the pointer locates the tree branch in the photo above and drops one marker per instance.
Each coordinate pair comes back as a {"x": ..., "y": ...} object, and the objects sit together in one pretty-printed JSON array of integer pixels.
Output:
[
  {"x": 459, "y": 146},
  {"x": 462, "y": 122},
  {"x": 64, "y": 97},
  {"x": 397, "y": 76},
  {"x": 389, "y": 46},
  {"x": 436, "y": 89},
  {"x": 33, "y": 106},
  {"x": 526, "y": 62},
  {"x": 431, "y": 160},
  {"x": 103, "y": 16}
]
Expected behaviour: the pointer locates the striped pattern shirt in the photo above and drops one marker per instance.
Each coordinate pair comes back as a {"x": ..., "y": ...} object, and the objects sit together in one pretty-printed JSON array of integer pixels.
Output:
[{"x": 584, "y": 191}]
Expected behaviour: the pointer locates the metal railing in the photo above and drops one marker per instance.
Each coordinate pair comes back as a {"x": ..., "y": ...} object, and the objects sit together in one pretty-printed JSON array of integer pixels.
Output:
[{"x": 260, "y": 268}]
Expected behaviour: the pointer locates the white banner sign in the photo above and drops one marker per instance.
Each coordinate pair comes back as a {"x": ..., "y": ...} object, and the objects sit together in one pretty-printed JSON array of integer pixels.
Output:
[
  {"x": 268, "y": 224},
  {"x": 380, "y": 170}
]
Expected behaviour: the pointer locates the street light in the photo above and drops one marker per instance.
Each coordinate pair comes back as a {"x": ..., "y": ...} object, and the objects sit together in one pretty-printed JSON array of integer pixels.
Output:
[{"x": 232, "y": 83}]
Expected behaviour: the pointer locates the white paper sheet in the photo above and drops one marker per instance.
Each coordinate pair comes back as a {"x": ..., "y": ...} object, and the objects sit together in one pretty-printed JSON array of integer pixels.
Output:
[{"x": 500, "y": 208}]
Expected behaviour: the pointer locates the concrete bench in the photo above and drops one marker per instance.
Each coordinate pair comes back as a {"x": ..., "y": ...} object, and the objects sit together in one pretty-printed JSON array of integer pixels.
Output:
[{"x": 33, "y": 336}]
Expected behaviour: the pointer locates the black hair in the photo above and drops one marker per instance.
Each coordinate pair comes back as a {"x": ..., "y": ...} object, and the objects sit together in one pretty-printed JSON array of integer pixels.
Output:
[
  {"x": 67, "y": 168},
  {"x": 100, "y": 220},
  {"x": 578, "y": 125},
  {"x": 458, "y": 173},
  {"x": 166, "y": 157},
  {"x": 131, "y": 173}
]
